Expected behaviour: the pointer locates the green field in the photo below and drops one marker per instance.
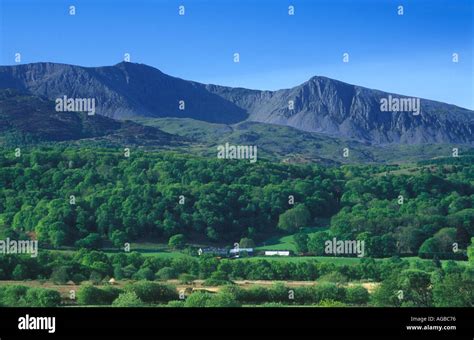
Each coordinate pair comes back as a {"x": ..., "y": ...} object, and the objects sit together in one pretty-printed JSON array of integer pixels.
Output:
[
  {"x": 281, "y": 243},
  {"x": 287, "y": 242}
]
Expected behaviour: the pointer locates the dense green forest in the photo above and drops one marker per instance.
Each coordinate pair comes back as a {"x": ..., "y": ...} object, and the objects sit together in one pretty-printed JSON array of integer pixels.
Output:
[{"x": 66, "y": 196}]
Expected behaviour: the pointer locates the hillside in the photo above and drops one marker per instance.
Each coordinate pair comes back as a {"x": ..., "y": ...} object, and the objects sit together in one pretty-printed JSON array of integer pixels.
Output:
[
  {"x": 26, "y": 119},
  {"x": 287, "y": 144}
]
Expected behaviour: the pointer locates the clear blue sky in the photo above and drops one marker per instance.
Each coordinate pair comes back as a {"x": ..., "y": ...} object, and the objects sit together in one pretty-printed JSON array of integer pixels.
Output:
[{"x": 409, "y": 54}]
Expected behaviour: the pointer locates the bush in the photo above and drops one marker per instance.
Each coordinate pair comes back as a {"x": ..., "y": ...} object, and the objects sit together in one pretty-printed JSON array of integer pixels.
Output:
[
  {"x": 222, "y": 300},
  {"x": 304, "y": 295},
  {"x": 331, "y": 303},
  {"x": 13, "y": 295},
  {"x": 256, "y": 294},
  {"x": 60, "y": 275},
  {"x": 166, "y": 273},
  {"x": 329, "y": 291},
  {"x": 175, "y": 304},
  {"x": 177, "y": 241},
  {"x": 293, "y": 219},
  {"x": 112, "y": 292},
  {"x": 357, "y": 295},
  {"x": 239, "y": 293},
  {"x": 40, "y": 297},
  {"x": 20, "y": 272},
  {"x": 217, "y": 278},
  {"x": 205, "y": 299},
  {"x": 95, "y": 277},
  {"x": 301, "y": 242},
  {"x": 90, "y": 295},
  {"x": 144, "y": 274},
  {"x": 197, "y": 299},
  {"x": 127, "y": 299},
  {"x": 152, "y": 292},
  {"x": 21, "y": 296},
  {"x": 78, "y": 278},
  {"x": 91, "y": 241},
  {"x": 279, "y": 293}
]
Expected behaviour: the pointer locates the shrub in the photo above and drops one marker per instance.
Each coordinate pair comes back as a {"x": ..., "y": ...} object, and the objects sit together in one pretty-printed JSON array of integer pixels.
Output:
[
  {"x": 13, "y": 295},
  {"x": 91, "y": 241},
  {"x": 357, "y": 295},
  {"x": 152, "y": 292},
  {"x": 217, "y": 278},
  {"x": 166, "y": 273},
  {"x": 197, "y": 299},
  {"x": 21, "y": 296},
  {"x": 329, "y": 291},
  {"x": 175, "y": 304},
  {"x": 256, "y": 294},
  {"x": 127, "y": 299},
  {"x": 60, "y": 275},
  {"x": 238, "y": 292},
  {"x": 279, "y": 293},
  {"x": 330, "y": 303},
  {"x": 90, "y": 295},
  {"x": 177, "y": 241},
  {"x": 205, "y": 299},
  {"x": 144, "y": 274},
  {"x": 78, "y": 278},
  {"x": 40, "y": 297},
  {"x": 222, "y": 300}
]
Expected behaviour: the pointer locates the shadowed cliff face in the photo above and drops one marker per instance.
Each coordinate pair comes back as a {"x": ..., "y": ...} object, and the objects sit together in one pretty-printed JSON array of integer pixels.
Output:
[
  {"x": 34, "y": 119},
  {"x": 123, "y": 90},
  {"x": 318, "y": 105}
]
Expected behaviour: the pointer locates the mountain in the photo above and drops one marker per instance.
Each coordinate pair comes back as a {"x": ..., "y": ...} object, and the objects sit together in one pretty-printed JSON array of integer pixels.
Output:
[
  {"x": 122, "y": 91},
  {"x": 30, "y": 119},
  {"x": 342, "y": 110},
  {"x": 321, "y": 104}
]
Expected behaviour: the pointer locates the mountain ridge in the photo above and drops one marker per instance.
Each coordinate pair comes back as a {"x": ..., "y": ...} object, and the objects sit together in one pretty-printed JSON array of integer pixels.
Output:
[{"x": 321, "y": 104}]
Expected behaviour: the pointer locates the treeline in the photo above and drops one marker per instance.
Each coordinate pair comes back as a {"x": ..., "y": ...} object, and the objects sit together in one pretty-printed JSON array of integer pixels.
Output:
[
  {"x": 151, "y": 293},
  {"x": 98, "y": 267},
  {"x": 448, "y": 286},
  {"x": 146, "y": 293}
]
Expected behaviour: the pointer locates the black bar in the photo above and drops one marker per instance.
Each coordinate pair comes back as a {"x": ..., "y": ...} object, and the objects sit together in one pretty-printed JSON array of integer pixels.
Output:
[{"x": 290, "y": 323}]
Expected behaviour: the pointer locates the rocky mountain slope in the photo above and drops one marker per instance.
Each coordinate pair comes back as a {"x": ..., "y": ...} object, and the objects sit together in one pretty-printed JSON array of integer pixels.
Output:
[{"x": 319, "y": 105}]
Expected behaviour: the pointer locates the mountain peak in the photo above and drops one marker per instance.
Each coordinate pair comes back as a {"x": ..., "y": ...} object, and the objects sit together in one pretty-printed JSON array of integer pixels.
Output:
[{"x": 321, "y": 104}]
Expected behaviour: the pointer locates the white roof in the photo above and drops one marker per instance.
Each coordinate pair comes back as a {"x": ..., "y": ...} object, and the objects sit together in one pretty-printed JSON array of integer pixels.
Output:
[
  {"x": 277, "y": 252},
  {"x": 235, "y": 250}
]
